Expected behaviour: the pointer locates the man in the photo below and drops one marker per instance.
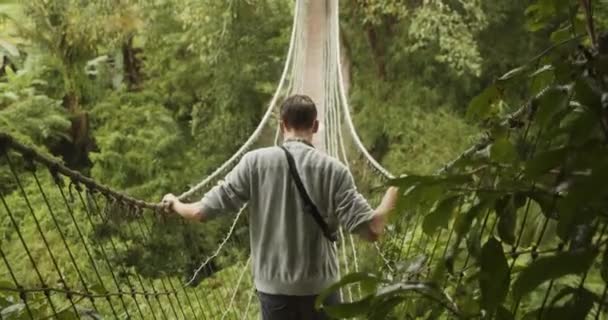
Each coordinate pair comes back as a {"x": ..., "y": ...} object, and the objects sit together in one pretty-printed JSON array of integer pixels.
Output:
[{"x": 293, "y": 258}]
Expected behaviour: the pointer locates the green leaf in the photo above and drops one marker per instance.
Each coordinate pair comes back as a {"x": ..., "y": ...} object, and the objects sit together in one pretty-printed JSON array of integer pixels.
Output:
[
  {"x": 503, "y": 151},
  {"x": 512, "y": 74},
  {"x": 549, "y": 104},
  {"x": 586, "y": 95},
  {"x": 473, "y": 240},
  {"x": 503, "y": 313},
  {"x": 440, "y": 217},
  {"x": 577, "y": 308},
  {"x": 481, "y": 106},
  {"x": 507, "y": 221},
  {"x": 349, "y": 310},
  {"x": 552, "y": 267},
  {"x": 405, "y": 290},
  {"x": 604, "y": 267},
  {"x": 541, "y": 80},
  {"x": 561, "y": 35},
  {"x": 415, "y": 265},
  {"x": 407, "y": 181},
  {"x": 544, "y": 161},
  {"x": 464, "y": 220},
  {"x": 425, "y": 191},
  {"x": 583, "y": 193},
  {"x": 439, "y": 272},
  {"x": 542, "y": 70},
  {"x": 565, "y": 71},
  {"x": 580, "y": 125},
  {"x": 422, "y": 197},
  {"x": 381, "y": 310},
  {"x": 494, "y": 277},
  {"x": 365, "y": 279},
  {"x": 546, "y": 203}
]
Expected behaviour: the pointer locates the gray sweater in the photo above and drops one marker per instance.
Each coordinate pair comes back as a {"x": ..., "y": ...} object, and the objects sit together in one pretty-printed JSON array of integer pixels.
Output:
[{"x": 289, "y": 252}]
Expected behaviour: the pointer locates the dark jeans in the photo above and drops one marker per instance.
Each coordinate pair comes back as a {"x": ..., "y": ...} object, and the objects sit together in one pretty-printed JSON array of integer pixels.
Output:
[{"x": 281, "y": 307}]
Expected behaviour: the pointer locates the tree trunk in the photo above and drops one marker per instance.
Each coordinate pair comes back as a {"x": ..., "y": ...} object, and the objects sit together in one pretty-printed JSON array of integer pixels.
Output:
[
  {"x": 377, "y": 51},
  {"x": 132, "y": 65},
  {"x": 76, "y": 152},
  {"x": 6, "y": 63}
]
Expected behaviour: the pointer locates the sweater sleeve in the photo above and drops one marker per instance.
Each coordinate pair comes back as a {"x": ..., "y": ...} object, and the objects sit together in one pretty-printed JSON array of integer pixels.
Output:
[
  {"x": 229, "y": 195},
  {"x": 352, "y": 209}
]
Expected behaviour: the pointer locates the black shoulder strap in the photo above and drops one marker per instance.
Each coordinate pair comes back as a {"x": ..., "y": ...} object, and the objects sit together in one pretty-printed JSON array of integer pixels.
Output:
[{"x": 310, "y": 205}]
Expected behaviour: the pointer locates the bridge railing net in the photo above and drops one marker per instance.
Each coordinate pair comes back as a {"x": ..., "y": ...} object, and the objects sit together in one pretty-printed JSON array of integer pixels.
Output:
[
  {"x": 72, "y": 248},
  {"x": 497, "y": 225},
  {"x": 484, "y": 225}
]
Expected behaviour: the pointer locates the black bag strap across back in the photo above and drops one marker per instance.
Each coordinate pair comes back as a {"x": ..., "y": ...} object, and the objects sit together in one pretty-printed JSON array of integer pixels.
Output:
[{"x": 310, "y": 206}]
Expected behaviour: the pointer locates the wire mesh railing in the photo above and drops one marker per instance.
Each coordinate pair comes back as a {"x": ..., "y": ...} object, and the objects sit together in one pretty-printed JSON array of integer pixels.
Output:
[
  {"x": 72, "y": 248},
  {"x": 515, "y": 226}
]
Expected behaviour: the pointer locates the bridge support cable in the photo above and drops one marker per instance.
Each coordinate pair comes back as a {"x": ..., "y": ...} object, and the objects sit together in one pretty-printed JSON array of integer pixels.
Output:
[
  {"x": 235, "y": 292},
  {"x": 249, "y": 301},
  {"x": 331, "y": 136},
  {"x": 343, "y": 113},
  {"x": 219, "y": 248},
  {"x": 232, "y": 161}
]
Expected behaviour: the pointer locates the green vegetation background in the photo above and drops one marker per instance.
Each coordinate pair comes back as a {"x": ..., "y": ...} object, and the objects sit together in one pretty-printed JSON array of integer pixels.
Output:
[{"x": 149, "y": 97}]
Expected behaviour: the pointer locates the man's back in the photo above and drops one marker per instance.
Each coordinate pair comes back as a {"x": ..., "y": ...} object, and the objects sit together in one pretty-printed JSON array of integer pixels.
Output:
[
  {"x": 290, "y": 254},
  {"x": 293, "y": 261}
]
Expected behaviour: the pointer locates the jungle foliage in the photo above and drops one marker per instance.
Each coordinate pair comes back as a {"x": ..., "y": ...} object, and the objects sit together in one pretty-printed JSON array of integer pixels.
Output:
[
  {"x": 515, "y": 226},
  {"x": 148, "y": 97}
]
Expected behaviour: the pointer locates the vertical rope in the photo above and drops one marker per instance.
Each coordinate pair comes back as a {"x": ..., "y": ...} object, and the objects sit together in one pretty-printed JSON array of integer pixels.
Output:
[
  {"x": 42, "y": 236},
  {"x": 145, "y": 236},
  {"x": 63, "y": 238},
  {"x": 236, "y": 290},
  {"x": 102, "y": 216},
  {"x": 249, "y": 300},
  {"x": 104, "y": 258},
  {"x": 186, "y": 293},
  {"x": 18, "y": 286}
]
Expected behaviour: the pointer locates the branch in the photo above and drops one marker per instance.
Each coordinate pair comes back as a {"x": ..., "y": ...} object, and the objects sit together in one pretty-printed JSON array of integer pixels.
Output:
[{"x": 587, "y": 8}]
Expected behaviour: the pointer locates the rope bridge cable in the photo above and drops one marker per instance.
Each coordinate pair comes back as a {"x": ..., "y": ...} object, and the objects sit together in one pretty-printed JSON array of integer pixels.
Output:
[{"x": 231, "y": 162}]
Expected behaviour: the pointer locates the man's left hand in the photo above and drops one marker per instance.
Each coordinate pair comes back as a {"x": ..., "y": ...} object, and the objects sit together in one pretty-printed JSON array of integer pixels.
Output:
[{"x": 168, "y": 202}]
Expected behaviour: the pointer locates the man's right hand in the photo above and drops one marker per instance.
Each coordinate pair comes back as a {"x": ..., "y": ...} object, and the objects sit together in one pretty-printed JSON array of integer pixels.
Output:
[
  {"x": 376, "y": 225},
  {"x": 389, "y": 201}
]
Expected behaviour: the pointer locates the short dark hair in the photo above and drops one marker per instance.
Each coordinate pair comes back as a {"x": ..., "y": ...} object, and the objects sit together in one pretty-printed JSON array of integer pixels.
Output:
[{"x": 298, "y": 112}]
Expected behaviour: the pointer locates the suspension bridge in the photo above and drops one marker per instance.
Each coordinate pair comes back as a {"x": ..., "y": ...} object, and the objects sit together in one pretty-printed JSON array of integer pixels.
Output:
[{"x": 89, "y": 282}]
